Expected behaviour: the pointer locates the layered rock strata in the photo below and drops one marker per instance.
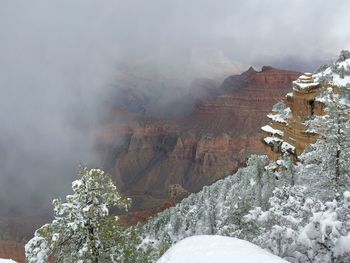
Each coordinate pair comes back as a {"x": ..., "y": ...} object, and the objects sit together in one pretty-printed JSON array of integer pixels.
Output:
[
  {"x": 287, "y": 130},
  {"x": 213, "y": 142}
]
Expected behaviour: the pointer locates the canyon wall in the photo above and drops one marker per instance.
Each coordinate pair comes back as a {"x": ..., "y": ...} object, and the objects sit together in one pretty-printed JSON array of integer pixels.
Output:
[
  {"x": 148, "y": 156},
  {"x": 158, "y": 162}
]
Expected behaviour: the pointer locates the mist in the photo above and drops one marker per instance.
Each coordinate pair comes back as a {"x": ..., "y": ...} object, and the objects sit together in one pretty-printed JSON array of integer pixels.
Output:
[{"x": 59, "y": 62}]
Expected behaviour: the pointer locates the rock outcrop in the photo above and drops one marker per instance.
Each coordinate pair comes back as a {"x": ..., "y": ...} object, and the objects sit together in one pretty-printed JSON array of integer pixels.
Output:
[
  {"x": 212, "y": 142},
  {"x": 287, "y": 131}
]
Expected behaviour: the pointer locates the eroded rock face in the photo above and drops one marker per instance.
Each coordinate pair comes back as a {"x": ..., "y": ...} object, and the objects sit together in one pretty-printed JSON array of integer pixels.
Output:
[
  {"x": 211, "y": 143},
  {"x": 287, "y": 132}
]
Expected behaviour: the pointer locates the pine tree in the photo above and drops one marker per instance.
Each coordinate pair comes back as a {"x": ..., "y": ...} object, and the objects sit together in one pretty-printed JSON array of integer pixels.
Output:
[
  {"x": 327, "y": 162},
  {"x": 217, "y": 209},
  {"x": 82, "y": 230},
  {"x": 344, "y": 54},
  {"x": 342, "y": 72},
  {"x": 301, "y": 229}
]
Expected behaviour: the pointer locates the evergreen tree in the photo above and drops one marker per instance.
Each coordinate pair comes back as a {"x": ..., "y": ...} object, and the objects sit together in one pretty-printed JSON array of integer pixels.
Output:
[
  {"x": 326, "y": 164},
  {"x": 344, "y": 55},
  {"x": 301, "y": 229},
  {"x": 342, "y": 72},
  {"x": 218, "y": 209},
  {"x": 82, "y": 230}
]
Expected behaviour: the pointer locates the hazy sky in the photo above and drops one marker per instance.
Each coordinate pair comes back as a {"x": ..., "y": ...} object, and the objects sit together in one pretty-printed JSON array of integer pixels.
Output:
[{"x": 58, "y": 57}]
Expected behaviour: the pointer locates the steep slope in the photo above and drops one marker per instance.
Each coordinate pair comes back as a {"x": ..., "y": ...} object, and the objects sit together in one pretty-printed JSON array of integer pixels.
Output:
[
  {"x": 158, "y": 156},
  {"x": 298, "y": 211}
]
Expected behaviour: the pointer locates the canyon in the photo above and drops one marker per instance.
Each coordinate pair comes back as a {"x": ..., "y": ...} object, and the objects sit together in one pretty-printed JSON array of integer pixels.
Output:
[{"x": 156, "y": 161}]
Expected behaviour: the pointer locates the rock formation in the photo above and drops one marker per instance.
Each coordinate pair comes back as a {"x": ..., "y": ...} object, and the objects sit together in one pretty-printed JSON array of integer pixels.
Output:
[
  {"x": 287, "y": 131},
  {"x": 149, "y": 156}
]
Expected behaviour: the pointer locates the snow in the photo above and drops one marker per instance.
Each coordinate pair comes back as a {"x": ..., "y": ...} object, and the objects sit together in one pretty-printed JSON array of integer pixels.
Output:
[
  {"x": 280, "y": 162},
  {"x": 333, "y": 74},
  {"x": 272, "y": 140},
  {"x": 338, "y": 81},
  {"x": 76, "y": 184},
  {"x": 2, "y": 260},
  {"x": 342, "y": 246},
  {"x": 345, "y": 63},
  {"x": 220, "y": 249},
  {"x": 347, "y": 195},
  {"x": 303, "y": 86},
  {"x": 345, "y": 102},
  {"x": 281, "y": 116},
  {"x": 305, "y": 81},
  {"x": 269, "y": 129},
  {"x": 276, "y": 118},
  {"x": 287, "y": 147},
  {"x": 321, "y": 98}
]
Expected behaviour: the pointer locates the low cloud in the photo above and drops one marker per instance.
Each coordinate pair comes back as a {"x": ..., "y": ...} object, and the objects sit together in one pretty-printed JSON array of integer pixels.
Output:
[{"x": 59, "y": 61}]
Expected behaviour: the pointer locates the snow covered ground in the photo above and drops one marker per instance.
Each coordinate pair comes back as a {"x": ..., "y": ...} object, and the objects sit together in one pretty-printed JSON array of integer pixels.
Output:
[
  {"x": 334, "y": 73},
  {"x": 209, "y": 249},
  {"x": 2, "y": 260}
]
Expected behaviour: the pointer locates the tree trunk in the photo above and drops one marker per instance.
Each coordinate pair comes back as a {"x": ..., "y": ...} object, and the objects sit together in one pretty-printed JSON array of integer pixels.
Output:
[
  {"x": 337, "y": 156},
  {"x": 93, "y": 245},
  {"x": 337, "y": 168}
]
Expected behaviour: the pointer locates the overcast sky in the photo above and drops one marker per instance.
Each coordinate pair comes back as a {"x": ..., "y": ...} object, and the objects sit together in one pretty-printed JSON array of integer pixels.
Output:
[{"x": 57, "y": 58}]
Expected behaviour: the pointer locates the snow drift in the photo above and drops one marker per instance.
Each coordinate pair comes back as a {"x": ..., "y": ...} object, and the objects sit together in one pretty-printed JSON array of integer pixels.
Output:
[{"x": 208, "y": 249}]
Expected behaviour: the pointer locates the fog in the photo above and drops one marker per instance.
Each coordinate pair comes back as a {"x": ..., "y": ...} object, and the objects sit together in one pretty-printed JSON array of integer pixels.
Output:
[{"x": 59, "y": 61}]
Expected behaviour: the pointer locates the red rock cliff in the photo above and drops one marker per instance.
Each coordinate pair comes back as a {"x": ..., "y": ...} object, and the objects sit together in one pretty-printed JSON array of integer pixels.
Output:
[{"x": 211, "y": 143}]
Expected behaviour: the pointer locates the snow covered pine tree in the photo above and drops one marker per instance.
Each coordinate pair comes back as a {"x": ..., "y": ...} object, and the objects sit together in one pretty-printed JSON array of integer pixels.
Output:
[
  {"x": 327, "y": 162},
  {"x": 301, "y": 229},
  {"x": 82, "y": 231}
]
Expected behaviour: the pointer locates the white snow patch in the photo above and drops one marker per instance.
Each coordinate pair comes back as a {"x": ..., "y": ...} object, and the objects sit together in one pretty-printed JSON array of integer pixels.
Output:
[
  {"x": 281, "y": 117},
  {"x": 272, "y": 140},
  {"x": 280, "y": 162},
  {"x": 287, "y": 147},
  {"x": 333, "y": 74},
  {"x": 276, "y": 118},
  {"x": 252, "y": 182},
  {"x": 209, "y": 249},
  {"x": 76, "y": 184},
  {"x": 345, "y": 102},
  {"x": 3, "y": 260},
  {"x": 342, "y": 246},
  {"x": 305, "y": 85},
  {"x": 338, "y": 81},
  {"x": 305, "y": 81},
  {"x": 269, "y": 129}
]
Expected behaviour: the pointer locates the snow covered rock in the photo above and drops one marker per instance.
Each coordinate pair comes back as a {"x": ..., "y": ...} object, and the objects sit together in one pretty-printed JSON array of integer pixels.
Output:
[
  {"x": 208, "y": 249},
  {"x": 305, "y": 82},
  {"x": 269, "y": 129},
  {"x": 280, "y": 113}
]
